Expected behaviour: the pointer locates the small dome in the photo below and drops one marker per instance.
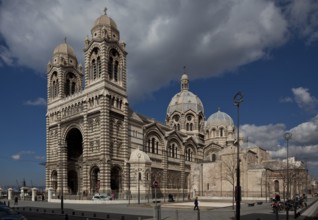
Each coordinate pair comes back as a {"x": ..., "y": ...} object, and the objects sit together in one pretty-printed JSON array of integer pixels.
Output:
[
  {"x": 104, "y": 20},
  {"x": 184, "y": 76},
  {"x": 219, "y": 119},
  {"x": 65, "y": 49},
  {"x": 138, "y": 156}
]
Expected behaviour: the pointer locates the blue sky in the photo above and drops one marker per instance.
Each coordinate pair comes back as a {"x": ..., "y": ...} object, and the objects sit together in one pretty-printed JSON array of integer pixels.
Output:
[{"x": 266, "y": 49}]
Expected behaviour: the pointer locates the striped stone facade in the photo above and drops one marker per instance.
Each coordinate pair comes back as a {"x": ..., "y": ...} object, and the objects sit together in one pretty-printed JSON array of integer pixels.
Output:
[{"x": 97, "y": 144}]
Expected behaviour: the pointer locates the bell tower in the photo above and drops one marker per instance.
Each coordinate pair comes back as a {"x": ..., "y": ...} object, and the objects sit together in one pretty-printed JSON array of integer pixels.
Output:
[
  {"x": 105, "y": 56},
  {"x": 64, "y": 73}
]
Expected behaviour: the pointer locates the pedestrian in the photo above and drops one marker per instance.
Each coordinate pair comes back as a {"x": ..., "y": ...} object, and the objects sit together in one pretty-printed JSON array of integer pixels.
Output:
[
  {"x": 16, "y": 200},
  {"x": 196, "y": 204}
]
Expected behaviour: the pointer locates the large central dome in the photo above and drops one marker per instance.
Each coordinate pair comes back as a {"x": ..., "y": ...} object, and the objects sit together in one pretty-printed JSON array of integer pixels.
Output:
[{"x": 185, "y": 100}]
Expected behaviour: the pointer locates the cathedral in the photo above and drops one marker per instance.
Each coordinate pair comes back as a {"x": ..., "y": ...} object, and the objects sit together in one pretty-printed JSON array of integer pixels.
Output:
[{"x": 97, "y": 144}]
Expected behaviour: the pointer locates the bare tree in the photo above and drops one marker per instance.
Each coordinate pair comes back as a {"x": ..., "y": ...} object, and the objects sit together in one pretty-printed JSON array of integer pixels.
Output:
[{"x": 229, "y": 169}]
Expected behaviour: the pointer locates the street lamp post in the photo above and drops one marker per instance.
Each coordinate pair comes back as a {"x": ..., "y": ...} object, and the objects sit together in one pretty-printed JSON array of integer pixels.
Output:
[
  {"x": 287, "y": 137},
  {"x": 238, "y": 98}
]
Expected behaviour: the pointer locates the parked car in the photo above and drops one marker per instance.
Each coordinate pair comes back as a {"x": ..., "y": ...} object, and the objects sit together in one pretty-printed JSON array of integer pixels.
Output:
[
  {"x": 7, "y": 213},
  {"x": 98, "y": 197}
]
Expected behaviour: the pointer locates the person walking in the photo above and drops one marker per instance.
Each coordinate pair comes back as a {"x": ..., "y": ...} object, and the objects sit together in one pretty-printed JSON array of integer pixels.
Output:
[{"x": 196, "y": 204}]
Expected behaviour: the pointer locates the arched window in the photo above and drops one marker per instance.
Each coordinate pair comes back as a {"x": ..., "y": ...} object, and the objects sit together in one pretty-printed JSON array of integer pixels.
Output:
[
  {"x": 73, "y": 87},
  {"x": 116, "y": 71},
  {"x": 213, "y": 132},
  {"x": 99, "y": 67},
  {"x": 189, "y": 123},
  {"x": 221, "y": 132},
  {"x": 54, "y": 85},
  {"x": 70, "y": 84},
  {"x": 54, "y": 92},
  {"x": 94, "y": 69},
  {"x": 276, "y": 186},
  {"x": 110, "y": 68},
  {"x": 188, "y": 154},
  {"x": 153, "y": 145},
  {"x": 95, "y": 65},
  {"x": 213, "y": 157},
  {"x": 113, "y": 65},
  {"x": 67, "y": 87}
]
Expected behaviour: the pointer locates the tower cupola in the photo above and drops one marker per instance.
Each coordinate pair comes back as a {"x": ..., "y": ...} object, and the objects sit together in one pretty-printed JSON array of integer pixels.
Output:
[{"x": 105, "y": 28}]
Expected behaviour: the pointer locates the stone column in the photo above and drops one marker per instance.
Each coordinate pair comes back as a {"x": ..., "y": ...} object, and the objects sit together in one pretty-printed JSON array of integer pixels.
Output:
[
  {"x": 10, "y": 194},
  {"x": 49, "y": 194},
  {"x": 105, "y": 144},
  {"x": 34, "y": 191},
  {"x": 125, "y": 152},
  {"x": 182, "y": 178},
  {"x": 163, "y": 185}
]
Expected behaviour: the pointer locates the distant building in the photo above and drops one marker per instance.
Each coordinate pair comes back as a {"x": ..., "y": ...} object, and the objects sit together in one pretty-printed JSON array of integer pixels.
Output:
[{"x": 97, "y": 144}]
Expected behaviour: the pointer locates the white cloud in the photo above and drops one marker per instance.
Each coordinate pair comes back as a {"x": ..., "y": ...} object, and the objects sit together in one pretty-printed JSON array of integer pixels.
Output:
[
  {"x": 162, "y": 36},
  {"x": 304, "y": 99},
  {"x": 303, "y": 144},
  {"x": 306, "y": 133},
  {"x": 267, "y": 136},
  {"x": 38, "y": 157},
  {"x": 5, "y": 56},
  {"x": 37, "y": 102},
  {"x": 303, "y": 18},
  {"x": 286, "y": 100},
  {"x": 16, "y": 157}
]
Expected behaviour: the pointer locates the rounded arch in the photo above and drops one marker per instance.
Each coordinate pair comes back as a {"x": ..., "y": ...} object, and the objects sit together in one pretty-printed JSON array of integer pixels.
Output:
[
  {"x": 190, "y": 118},
  {"x": 54, "y": 180},
  {"x": 74, "y": 142},
  {"x": 189, "y": 152},
  {"x": 71, "y": 83},
  {"x": 72, "y": 182},
  {"x": 276, "y": 186},
  {"x": 154, "y": 142},
  {"x": 54, "y": 85},
  {"x": 113, "y": 65},
  {"x": 95, "y": 66},
  {"x": 116, "y": 179},
  {"x": 174, "y": 148},
  {"x": 94, "y": 176},
  {"x": 210, "y": 152}
]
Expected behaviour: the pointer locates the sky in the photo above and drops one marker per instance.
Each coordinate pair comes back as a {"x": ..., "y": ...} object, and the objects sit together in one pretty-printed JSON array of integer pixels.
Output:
[{"x": 266, "y": 49}]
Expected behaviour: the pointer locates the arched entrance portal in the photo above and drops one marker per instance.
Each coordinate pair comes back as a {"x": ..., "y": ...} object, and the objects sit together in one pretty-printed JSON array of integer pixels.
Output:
[
  {"x": 116, "y": 180},
  {"x": 94, "y": 179},
  {"x": 74, "y": 142},
  {"x": 72, "y": 182},
  {"x": 54, "y": 180}
]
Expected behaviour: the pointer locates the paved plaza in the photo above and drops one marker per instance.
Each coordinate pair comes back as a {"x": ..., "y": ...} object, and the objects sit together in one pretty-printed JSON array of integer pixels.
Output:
[{"x": 220, "y": 210}]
